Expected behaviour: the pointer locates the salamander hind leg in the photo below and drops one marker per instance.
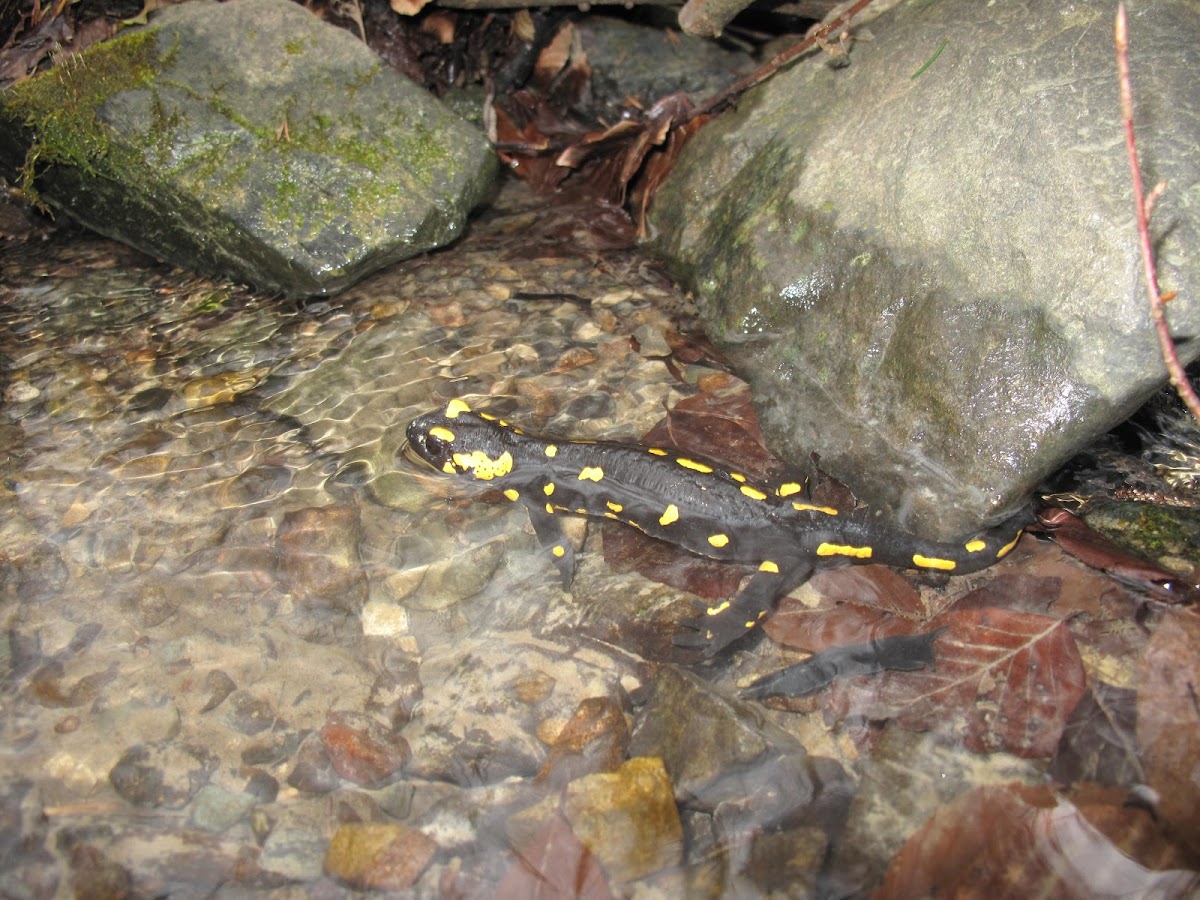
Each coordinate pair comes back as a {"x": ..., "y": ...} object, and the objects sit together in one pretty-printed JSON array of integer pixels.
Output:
[{"x": 726, "y": 622}]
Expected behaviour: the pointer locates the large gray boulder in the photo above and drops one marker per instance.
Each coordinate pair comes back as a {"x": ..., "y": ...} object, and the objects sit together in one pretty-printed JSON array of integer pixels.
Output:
[
  {"x": 932, "y": 279},
  {"x": 251, "y": 140}
]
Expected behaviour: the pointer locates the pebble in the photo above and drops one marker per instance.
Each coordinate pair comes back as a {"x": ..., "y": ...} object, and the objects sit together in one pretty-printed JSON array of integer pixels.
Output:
[
  {"x": 378, "y": 857},
  {"x": 216, "y": 810},
  {"x": 361, "y": 750},
  {"x": 165, "y": 774}
]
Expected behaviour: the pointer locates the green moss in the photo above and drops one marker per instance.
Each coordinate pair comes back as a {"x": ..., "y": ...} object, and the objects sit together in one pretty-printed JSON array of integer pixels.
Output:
[
  {"x": 60, "y": 108},
  {"x": 1159, "y": 533}
]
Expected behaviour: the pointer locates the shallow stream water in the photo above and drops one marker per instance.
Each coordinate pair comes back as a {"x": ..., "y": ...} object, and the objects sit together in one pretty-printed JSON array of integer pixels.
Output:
[{"x": 253, "y": 649}]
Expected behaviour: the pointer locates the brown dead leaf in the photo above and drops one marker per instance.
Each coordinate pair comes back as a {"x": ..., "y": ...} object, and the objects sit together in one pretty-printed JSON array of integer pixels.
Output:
[
  {"x": 1017, "y": 841},
  {"x": 555, "y": 864},
  {"x": 1090, "y": 547},
  {"x": 1168, "y": 722},
  {"x": 1098, "y": 744},
  {"x": 1009, "y": 680},
  {"x": 407, "y": 7},
  {"x": 441, "y": 25},
  {"x": 814, "y": 630}
]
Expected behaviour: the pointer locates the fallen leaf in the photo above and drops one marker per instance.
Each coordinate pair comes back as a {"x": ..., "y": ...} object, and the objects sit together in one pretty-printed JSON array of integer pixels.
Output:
[
  {"x": 1168, "y": 722},
  {"x": 407, "y": 7},
  {"x": 1089, "y": 546},
  {"x": 1022, "y": 841},
  {"x": 554, "y": 864},
  {"x": 1008, "y": 680},
  {"x": 857, "y": 604},
  {"x": 1099, "y": 743}
]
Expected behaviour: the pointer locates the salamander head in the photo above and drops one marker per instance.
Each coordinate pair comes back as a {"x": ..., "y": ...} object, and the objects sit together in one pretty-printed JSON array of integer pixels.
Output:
[{"x": 457, "y": 441}]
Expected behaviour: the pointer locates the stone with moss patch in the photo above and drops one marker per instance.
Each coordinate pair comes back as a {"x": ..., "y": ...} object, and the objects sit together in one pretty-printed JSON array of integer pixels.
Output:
[{"x": 259, "y": 144}]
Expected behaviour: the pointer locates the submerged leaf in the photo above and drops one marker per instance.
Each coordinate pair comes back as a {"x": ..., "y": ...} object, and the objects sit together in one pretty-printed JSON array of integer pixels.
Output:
[
  {"x": 1023, "y": 841},
  {"x": 1008, "y": 679}
]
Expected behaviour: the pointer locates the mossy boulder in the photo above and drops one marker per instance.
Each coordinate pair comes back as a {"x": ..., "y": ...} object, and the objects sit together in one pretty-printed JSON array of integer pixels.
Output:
[{"x": 249, "y": 140}]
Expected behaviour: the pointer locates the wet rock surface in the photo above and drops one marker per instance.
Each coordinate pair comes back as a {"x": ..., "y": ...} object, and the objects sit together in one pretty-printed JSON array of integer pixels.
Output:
[
  {"x": 929, "y": 275},
  {"x": 250, "y": 140}
]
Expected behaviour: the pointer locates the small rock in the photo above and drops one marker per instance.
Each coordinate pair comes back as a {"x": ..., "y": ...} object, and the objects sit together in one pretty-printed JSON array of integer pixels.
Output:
[
  {"x": 220, "y": 686},
  {"x": 313, "y": 771},
  {"x": 262, "y": 786},
  {"x": 651, "y": 342},
  {"x": 596, "y": 739},
  {"x": 361, "y": 750},
  {"x": 627, "y": 818},
  {"x": 216, "y": 809},
  {"x": 161, "y": 775},
  {"x": 249, "y": 714},
  {"x": 318, "y": 557},
  {"x": 377, "y": 856}
]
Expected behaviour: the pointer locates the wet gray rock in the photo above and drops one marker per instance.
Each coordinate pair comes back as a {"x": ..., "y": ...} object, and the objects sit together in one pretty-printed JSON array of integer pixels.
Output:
[
  {"x": 933, "y": 280},
  {"x": 161, "y": 775},
  {"x": 708, "y": 743},
  {"x": 647, "y": 63},
  {"x": 216, "y": 809},
  {"x": 258, "y": 143}
]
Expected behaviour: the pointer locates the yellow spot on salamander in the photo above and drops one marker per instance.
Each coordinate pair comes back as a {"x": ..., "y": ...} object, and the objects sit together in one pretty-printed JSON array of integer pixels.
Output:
[
  {"x": 717, "y": 610},
  {"x": 548, "y": 489},
  {"x": 670, "y": 514},
  {"x": 658, "y": 451},
  {"x": 693, "y": 465},
  {"x": 808, "y": 507},
  {"x": 512, "y": 495},
  {"x": 1003, "y": 551},
  {"x": 559, "y": 551},
  {"x": 448, "y": 468},
  {"x": 753, "y": 492},
  {"x": 489, "y": 417},
  {"x": 844, "y": 550},
  {"x": 615, "y": 507},
  {"x": 442, "y": 434},
  {"x": 737, "y": 476},
  {"x": 456, "y": 406},
  {"x": 718, "y": 540},
  {"x": 933, "y": 562},
  {"x": 591, "y": 473},
  {"x": 550, "y": 508},
  {"x": 975, "y": 546},
  {"x": 788, "y": 488},
  {"x": 483, "y": 466},
  {"x": 767, "y": 566},
  {"x": 552, "y": 450}
]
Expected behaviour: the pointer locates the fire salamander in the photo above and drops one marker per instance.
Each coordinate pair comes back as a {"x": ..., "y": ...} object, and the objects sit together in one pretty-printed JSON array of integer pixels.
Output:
[{"x": 688, "y": 501}]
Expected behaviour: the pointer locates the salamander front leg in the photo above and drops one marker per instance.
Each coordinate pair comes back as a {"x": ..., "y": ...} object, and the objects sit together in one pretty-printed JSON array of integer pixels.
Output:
[
  {"x": 554, "y": 542},
  {"x": 724, "y": 623}
]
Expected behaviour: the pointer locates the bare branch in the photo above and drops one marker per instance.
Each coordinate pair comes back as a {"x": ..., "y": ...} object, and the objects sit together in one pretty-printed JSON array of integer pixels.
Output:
[{"x": 1142, "y": 208}]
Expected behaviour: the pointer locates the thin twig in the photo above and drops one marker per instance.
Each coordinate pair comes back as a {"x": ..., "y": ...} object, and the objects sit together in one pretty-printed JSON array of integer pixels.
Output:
[
  {"x": 762, "y": 73},
  {"x": 1142, "y": 208}
]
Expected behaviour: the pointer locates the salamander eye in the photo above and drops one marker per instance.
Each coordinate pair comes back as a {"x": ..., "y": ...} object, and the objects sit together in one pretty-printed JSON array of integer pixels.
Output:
[{"x": 435, "y": 447}]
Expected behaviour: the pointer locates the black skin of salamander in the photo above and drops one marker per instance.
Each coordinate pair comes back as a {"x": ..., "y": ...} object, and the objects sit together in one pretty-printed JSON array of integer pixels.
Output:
[
  {"x": 716, "y": 517},
  {"x": 903, "y": 653}
]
